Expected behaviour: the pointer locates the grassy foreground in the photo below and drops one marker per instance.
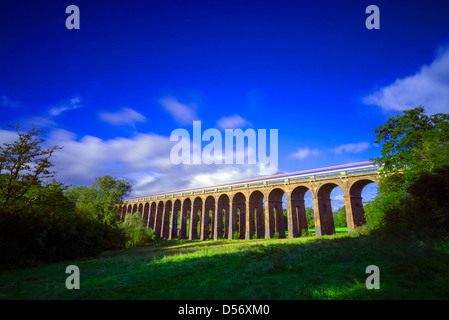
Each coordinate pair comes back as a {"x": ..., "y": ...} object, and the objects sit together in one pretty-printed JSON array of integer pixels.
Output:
[{"x": 329, "y": 267}]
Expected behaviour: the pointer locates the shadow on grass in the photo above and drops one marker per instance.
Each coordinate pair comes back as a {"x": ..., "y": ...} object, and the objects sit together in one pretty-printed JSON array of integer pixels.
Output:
[{"x": 324, "y": 268}]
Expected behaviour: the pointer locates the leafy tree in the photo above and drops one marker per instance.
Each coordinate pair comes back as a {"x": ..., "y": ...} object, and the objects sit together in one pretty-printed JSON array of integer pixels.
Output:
[
  {"x": 415, "y": 157},
  {"x": 102, "y": 198},
  {"x": 412, "y": 143},
  {"x": 24, "y": 164}
]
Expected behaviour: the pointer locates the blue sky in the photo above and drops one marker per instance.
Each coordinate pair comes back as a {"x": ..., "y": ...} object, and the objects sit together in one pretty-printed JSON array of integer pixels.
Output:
[{"x": 113, "y": 91}]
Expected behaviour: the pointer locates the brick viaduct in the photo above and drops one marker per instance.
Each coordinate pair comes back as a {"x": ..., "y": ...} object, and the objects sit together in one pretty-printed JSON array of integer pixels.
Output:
[{"x": 222, "y": 210}]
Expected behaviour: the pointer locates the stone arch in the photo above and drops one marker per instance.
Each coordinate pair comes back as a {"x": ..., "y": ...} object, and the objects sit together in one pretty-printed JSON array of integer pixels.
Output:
[
  {"x": 354, "y": 207},
  {"x": 166, "y": 220},
  {"x": 257, "y": 214},
  {"x": 275, "y": 212},
  {"x": 152, "y": 218},
  {"x": 221, "y": 227},
  {"x": 298, "y": 207},
  {"x": 140, "y": 209},
  {"x": 324, "y": 219},
  {"x": 134, "y": 208},
  {"x": 146, "y": 210},
  {"x": 130, "y": 209},
  {"x": 185, "y": 218},
  {"x": 208, "y": 216},
  {"x": 195, "y": 221},
  {"x": 174, "y": 219},
  {"x": 238, "y": 216},
  {"x": 159, "y": 215}
]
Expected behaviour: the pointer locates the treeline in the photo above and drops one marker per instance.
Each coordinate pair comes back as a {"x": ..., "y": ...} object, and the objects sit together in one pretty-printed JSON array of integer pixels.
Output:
[{"x": 41, "y": 220}]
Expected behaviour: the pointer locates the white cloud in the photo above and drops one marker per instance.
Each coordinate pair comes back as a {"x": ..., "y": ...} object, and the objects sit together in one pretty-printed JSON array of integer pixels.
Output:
[
  {"x": 302, "y": 153},
  {"x": 233, "y": 122},
  {"x": 351, "y": 147},
  {"x": 338, "y": 197},
  {"x": 66, "y": 105},
  {"x": 7, "y": 136},
  {"x": 143, "y": 159},
  {"x": 428, "y": 87},
  {"x": 125, "y": 116},
  {"x": 182, "y": 113}
]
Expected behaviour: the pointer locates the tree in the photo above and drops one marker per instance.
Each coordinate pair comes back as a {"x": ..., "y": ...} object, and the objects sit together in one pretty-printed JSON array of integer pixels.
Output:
[
  {"x": 102, "y": 198},
  {"x": 413, "y": 142},
  {"x": 415, "y": 157},
  {"x": 24, "y": 164}
]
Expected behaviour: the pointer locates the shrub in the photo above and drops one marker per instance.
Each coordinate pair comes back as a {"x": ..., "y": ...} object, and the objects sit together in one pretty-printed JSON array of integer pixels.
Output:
[
  {"x": 236, "y": 235},
  {"x": 136, "y": 231},
  {"x": 305, "y": 233}
]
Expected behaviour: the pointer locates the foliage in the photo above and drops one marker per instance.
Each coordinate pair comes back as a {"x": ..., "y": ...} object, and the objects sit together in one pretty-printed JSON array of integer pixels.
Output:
[
  {"x": 412, "y": 194},
  {"x": 310, "y": 217},
  {"x": 24, "y": 164},
  {"x": 102, "y": 198},
  {"x": 340, "y": 218},
  {"x": 305, "y": 233},
  {"x": 236, "y": 235},
  {"x": 136, "y": 230},
  {"x": 45, "y": 232},
  {"x": 40, "y": 220},
  {"x": 413, "y": 140}
]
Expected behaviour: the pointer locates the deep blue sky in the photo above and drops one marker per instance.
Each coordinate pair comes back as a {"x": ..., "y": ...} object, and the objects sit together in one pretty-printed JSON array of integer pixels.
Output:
[{"x": 302, "y": 67}]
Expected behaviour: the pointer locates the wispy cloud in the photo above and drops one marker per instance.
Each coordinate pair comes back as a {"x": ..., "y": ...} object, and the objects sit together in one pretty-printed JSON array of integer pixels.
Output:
[
  {"x": 302, "y": 153},
  {"x": 39, "y": 122},
  {"x": 144, "y": 159},
  {"x": 233, "y": 122},
  {"x": 66, "y": 105},
  {"x": 7, "y": 136},
  {"x": 10, "y": 102},
  {"x": 125, "y": 116},
  {"x": 181, "y": 113},
  {"x": 429, "y": 87},
  {"x": 351, "y": 148}
]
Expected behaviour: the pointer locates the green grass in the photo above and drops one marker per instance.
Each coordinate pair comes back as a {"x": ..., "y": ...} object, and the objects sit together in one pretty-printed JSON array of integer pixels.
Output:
[{"x": 329, "y": 267}]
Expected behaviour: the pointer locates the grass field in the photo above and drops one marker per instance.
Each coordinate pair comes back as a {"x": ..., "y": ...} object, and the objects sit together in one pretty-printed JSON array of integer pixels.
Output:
[{"x": 329, "y": 267}]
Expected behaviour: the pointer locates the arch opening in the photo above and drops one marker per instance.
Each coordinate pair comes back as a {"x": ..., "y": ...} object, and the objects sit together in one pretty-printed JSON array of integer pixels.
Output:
[
  {"x": 195, "y": 219},
  {"x": 257, "y": 215},
  {"x": 222, "y": 220},
  {"x": 302, "y": 216},
  {"x": 238, "y": 217},
  {"x": 276, "y": 217},
  {"x": 359, "y": 189},
  {"x": 185, "y": 218}
]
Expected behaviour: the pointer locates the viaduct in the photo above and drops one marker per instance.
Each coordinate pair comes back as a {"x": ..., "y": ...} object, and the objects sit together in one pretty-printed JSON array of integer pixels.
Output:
[{"x": 219, "y": 211}]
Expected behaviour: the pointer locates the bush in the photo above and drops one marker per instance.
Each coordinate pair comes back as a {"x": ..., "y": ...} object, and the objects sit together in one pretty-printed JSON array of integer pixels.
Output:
[
  {"x": 305, "y": 233},
  {"x": 236, "y": 235},
  {"x": 136, "y": 231},
  {"x": 47, "y": 236},
  {"x": 422, "y": 209}
]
